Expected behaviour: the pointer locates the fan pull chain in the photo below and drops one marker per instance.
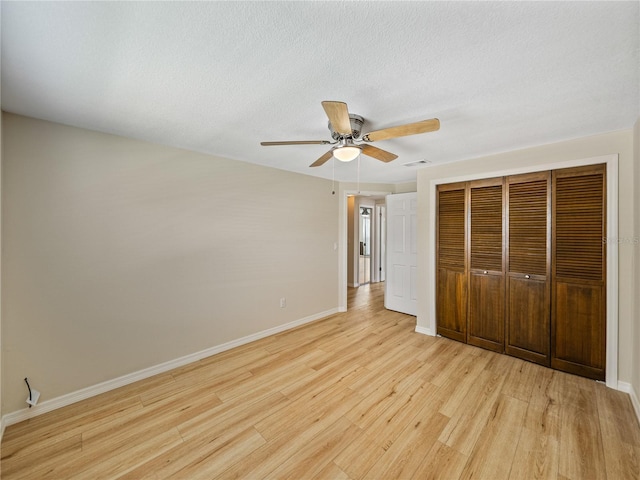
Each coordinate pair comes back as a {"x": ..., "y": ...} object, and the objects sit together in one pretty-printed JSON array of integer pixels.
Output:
[
  {"x": 359, "y": 173},
  {"x": 333, "y": 177}
]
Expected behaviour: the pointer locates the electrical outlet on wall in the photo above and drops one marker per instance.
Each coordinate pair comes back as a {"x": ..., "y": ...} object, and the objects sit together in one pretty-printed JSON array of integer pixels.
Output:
[
  {"x": 283, "y": 302},
  {"x": 35, "y": 396}
]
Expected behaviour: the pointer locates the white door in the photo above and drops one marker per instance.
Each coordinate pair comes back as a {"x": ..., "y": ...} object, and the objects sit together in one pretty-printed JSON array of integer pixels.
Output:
[{"x": 400, "y": 287}]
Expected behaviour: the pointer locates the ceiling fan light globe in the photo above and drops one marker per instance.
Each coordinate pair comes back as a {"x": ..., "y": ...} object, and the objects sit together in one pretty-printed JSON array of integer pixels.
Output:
[{"x": 346, "y": 154}]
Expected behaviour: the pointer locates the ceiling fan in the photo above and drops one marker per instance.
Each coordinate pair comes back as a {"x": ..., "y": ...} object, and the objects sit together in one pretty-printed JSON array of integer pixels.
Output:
[{"x": 346, "y": 132}]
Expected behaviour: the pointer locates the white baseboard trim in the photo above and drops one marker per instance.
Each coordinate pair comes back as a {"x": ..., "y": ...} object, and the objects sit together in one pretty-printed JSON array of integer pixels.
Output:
[
  {"x": 73, "y": 397},
  {"x": 624, "y": 387},
  {"x": 635, "y": 400},
  {"x": 424, "y": 331}
]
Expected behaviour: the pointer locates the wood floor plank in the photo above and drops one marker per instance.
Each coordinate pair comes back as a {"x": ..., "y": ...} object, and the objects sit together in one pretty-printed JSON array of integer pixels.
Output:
[
  {"x": 264, "y": 460},
  {"x": 49, "y": 454},
  {"x": 189, "y": 387},
  {"x": 332, "y": 402},
  {"x": 355, "y": 395},
  {"x": 581, "y": 449},
  {"x": 212, "y": 461},
  {"x": 189, "y": 458},
  {"x": 495, "y": 448},
  {"x": 311, "y": 458},
  {"x": 536, "y": 457},
  {"x": 374, "y": 404},
  {"x": 390, "y": 424},
  {"x": 471, "y": 416},
  {"x": 441, "y": 463},
  {"x": 621, "y": 440},
  {"x": 70, "y": 419},
  {"x": 614, "y": 408},
  {"x": 311, "y": 385},
  {"x": 18, "y": 448},
  {"x": 438, "y": 357},
  {"x": 170, "y": 412},
  {"x": 520, "y": 379},
  {"x": 331, "y": 472},
  {"x": 406, "y": 454},
  {"x": 116, "y": 462},
  {"x": 272, "y": 379},
  {"x": 239, "y": 415},
  {"x": 457, "y": 361},
  {"x": 357, "y": 458},
  {"x": 456, "y": 387},
  {"x": 374, "y": 378},
  {"x": 113, "y": 460},
  {"x": 537, "y": 454},
  {"x": 215, "y": 431},
  {"x": 233, "y": 359}
]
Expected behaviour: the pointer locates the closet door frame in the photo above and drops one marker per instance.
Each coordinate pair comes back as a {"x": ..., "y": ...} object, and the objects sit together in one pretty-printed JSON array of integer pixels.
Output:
[{"x": 426, "y": 321}]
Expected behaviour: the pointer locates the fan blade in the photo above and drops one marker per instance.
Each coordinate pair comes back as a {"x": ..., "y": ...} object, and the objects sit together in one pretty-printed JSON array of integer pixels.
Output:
[
  {"x": 297, "y": 142},
  {"x": 378, "y": 153},
  {"x": 338, "y": 116},
  {"x": 403, "y": 130},
  {"x": 323, "y": 159}
]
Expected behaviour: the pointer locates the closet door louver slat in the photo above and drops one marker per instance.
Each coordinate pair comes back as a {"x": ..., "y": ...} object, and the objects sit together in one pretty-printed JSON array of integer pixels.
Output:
[
  {"x": 579, "y": 228},
  {"x": 486, "y": 228},
  {"x": 528, "y": 226},
  {"x": 451, "y": 229}
]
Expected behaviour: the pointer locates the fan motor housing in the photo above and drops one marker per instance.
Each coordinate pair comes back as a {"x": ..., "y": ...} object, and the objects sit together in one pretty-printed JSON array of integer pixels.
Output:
[{"x": 356, "y": 127}]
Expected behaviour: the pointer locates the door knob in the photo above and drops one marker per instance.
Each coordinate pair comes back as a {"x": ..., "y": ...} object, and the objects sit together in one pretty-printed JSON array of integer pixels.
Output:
[
  {"x": 485, "y": 272},
  {"x": 527, "y": 276}
]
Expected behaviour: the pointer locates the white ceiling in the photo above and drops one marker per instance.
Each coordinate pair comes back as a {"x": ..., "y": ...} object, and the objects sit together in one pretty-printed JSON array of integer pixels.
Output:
[{"x": 219, "y": 77}]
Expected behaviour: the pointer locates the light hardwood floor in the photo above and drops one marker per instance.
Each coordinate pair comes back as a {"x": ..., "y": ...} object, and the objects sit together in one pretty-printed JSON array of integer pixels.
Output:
[{"x": 356, "y": 395}]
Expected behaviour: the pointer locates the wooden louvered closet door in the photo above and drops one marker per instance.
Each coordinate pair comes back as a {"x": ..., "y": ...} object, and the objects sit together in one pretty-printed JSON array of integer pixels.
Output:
[
  {"x": 451, "y": 281},
  {"x": 486, "y": 265},
  {"x": 528, "y": 236},
  {"x": 578, "y": 316}
]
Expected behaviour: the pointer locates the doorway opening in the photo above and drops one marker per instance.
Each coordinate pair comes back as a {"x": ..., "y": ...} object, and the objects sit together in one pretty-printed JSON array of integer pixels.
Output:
[
  {"x": 366, "y": 238},
  {"x": 364, "y": 258},
  {"x": 349, "y": 239}
]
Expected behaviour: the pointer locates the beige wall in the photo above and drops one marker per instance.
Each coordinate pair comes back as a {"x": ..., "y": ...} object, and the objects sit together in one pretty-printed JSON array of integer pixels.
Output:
[
  {"x": 620, "y": 143},
  {"x": 405, "y": 187},
  {"x": 635, "y": 377},
  {"x": 120, "y": 255}
]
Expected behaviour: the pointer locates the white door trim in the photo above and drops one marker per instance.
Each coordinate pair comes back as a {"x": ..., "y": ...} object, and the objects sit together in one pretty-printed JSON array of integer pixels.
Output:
[
  {"x": 379, "y": 260},
  {"x": 612, "y": 249}
]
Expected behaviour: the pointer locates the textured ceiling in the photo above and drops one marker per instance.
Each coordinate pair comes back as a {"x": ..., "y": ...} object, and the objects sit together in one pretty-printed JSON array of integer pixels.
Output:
[{"x": 219, "y": 77}]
